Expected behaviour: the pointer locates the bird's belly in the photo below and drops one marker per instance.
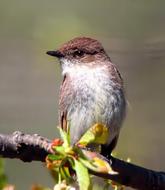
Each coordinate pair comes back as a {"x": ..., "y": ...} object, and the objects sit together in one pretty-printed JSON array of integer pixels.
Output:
[{"x": 95, "y": 101}]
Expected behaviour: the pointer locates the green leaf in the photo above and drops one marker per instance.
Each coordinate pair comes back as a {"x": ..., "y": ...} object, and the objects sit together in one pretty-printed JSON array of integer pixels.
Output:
[
  {"x": 88, "y": 163},
  {"x": 82, "y": 175},
  {"x": 97, "y": 134},
  {"x": 65, "y": 137},
  {"x": 53, "y": 157},
  {"x": 3, "y": 178},
  {"x": 97, "y": 164},
  {"x": 60, "y": 150},
  {"x": 79, "y": 152},
  {"x": 71, "y": 161},
  {"x": 65, "y": 173}
]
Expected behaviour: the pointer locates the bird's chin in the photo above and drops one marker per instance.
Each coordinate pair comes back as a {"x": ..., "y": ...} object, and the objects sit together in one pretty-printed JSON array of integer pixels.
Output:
[{"x": 66, "y": 65}]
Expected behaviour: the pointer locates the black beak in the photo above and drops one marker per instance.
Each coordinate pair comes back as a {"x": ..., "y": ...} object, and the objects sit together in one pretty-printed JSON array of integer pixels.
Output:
[{"x": 57, "y": 54}]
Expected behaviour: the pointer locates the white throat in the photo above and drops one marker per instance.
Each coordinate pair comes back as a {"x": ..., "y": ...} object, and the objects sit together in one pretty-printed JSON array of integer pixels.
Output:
[{"x": 77, "y": 69}]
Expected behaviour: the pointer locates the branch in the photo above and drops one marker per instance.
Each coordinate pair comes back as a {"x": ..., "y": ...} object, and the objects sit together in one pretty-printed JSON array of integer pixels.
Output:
[
  {"x": 25, "y": 147},
  {"x": 34, "y": 147}
]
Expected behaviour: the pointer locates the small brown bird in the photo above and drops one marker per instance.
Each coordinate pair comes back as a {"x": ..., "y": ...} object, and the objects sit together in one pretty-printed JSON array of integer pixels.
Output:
[{"x": 91, "y": 92}]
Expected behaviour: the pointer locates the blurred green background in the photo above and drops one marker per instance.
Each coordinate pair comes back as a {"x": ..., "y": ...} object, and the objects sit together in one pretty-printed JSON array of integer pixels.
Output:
[{"x": 132, "y": 32}]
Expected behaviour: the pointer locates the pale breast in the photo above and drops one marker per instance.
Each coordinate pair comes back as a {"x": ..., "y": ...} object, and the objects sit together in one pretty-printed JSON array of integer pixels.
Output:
[{"x": 96, "y": 100}]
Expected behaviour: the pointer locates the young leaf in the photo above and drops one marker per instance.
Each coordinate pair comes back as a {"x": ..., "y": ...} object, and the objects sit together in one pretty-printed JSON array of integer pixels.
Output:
[
  {"x": 60, "y": 150},
  {"x": 3, "y": 178},
  {"x": 103, "y": 166},
  {"x": 65, "y": 137},
  {"x": 82, "y": 175},
  {"x": 88, "y": 164},
  {"x": 65, "y": 173},
  {"x": 97, "y": 134},
  {"x": 53, "y": 157}
]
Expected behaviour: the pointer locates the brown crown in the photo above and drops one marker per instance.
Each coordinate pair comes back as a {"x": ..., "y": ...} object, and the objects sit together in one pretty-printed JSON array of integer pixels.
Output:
[{"x": 86, "y": 44}]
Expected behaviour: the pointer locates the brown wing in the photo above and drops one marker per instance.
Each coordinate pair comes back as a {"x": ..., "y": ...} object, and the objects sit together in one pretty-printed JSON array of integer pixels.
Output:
[
  {"x": 66, "y": 96},
  {"x": 63, "y": 113},
  {"x": 115, "y": 74},
  {"x": 63, "y": 121},
  {"x": 117, "y": 78}
]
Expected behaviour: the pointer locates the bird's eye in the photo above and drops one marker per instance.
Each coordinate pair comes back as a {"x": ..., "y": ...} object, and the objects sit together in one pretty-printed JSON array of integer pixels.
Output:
[{"x": 78, "y": 53}]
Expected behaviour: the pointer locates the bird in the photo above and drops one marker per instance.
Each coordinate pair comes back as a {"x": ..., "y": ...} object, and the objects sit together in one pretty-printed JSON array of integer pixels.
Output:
[{"x": 92, "y": 91}]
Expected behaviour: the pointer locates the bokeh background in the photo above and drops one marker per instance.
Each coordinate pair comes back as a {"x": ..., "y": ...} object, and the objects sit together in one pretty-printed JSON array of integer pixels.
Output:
[{"x": 132, "y": 32}]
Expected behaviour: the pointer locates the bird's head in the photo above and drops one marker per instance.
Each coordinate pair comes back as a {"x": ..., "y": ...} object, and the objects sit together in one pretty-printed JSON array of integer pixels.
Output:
[{"x": 80, "y": 51}]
